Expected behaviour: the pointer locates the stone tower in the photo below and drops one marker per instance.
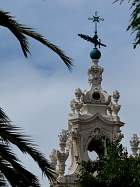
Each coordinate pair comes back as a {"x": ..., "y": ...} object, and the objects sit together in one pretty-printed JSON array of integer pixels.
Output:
[{"x": 93, "y": 120}]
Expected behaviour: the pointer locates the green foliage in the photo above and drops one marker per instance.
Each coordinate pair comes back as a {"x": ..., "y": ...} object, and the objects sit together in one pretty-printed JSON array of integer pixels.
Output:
[
  {"x": 117, "y": 169},
  {"x": 134, "y": 25}
]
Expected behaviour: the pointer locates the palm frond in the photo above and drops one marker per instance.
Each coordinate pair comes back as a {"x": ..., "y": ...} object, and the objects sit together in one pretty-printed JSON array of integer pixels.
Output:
[
  {"x": 40, "y": 38},
  {"x": 20, "y": 32},
  {"x": 17, "y": 177},
  {"x": 11, "y": 134},
  {"x": 7, "y": 21},
  {"x": 3, "y": 182},
  {"x": 134, "y": 23},
  {"x": 27, "y": 177}
]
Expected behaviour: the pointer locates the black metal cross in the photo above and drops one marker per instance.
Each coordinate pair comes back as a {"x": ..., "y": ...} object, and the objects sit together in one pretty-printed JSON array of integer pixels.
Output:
[
  {"x": 96, "y": 19},
  {"x": 95, "y": 40}
]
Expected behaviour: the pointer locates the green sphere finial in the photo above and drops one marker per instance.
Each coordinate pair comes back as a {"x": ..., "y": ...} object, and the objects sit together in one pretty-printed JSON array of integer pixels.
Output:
[{"x": 95, "y": 54}]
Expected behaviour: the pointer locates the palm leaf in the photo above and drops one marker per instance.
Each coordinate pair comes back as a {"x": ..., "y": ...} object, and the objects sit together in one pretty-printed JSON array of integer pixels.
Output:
[
  {"x": 134, "y": 23},
  {"x": 2, "y": 180},
  {"x": 7, "y": 21},
  {"x": 17, "y": 177},
  {"x": 36, "y": 36},
  {"x": 11, "y": 134},
  {"x": 20, "y": 32},
  {"x": 7, "y": 154}
]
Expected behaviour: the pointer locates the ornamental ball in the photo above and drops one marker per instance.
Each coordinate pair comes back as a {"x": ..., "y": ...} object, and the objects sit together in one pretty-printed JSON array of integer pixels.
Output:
[{"x": 95, "y": 54}]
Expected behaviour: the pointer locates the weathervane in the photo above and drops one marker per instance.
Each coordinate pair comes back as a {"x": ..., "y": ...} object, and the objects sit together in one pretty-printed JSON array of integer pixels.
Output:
[{"x": 97, "y": 42}]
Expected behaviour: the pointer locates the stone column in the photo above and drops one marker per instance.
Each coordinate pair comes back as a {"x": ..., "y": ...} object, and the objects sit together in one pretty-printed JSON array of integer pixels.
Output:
[{"x": 61, "y": 154}]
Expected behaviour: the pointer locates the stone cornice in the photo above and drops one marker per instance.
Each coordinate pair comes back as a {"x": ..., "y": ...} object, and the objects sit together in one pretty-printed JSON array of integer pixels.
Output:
[{"x": 105, "y": 119}]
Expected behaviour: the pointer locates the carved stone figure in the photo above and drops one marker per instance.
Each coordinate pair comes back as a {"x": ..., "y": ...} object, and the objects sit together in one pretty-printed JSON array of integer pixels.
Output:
[
  {"x": 63, "y": 136},
  {"x": 61, "y": 159},
  {"x": 134, "y": 143}
]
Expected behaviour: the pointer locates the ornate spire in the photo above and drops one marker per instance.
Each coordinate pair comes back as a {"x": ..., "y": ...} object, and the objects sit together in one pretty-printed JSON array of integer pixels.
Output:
[
  {"x": 93, "y": 120},
  {"x": 95, "y": 71}
]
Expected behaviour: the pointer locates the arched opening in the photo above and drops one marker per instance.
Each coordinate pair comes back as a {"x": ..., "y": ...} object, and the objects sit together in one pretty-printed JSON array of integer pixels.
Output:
[
  {"x": 96, "y": 96},
  {"x": 95, "y": 149}
]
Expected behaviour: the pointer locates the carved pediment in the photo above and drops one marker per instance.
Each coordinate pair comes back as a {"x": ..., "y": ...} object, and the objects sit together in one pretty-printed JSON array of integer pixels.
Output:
[{"x": 98, "y": 117}]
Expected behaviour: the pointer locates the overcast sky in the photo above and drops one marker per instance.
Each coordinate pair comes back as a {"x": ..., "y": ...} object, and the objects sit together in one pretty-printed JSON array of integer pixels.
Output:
[{"x": 36, "y": 92}]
